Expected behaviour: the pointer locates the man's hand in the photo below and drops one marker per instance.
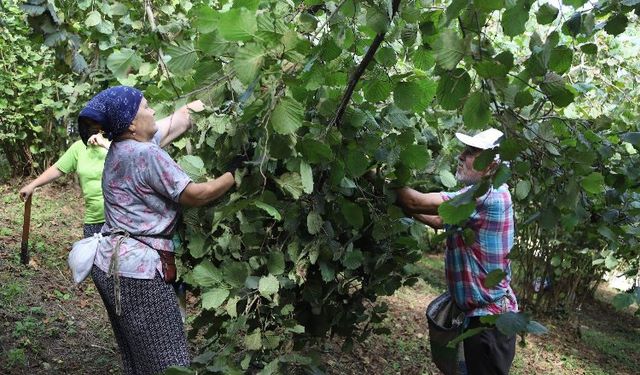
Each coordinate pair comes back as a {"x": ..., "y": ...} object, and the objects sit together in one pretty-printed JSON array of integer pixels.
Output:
[{"x": 196, "y": 106}]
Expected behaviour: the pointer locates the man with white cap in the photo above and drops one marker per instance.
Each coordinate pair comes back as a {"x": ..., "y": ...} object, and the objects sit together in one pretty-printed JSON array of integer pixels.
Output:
[{"x": 467, "y": 265}]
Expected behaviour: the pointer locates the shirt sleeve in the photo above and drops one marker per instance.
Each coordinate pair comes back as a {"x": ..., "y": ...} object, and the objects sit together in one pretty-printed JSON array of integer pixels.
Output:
[
  {"x": 68, "y": 162},
  {"x": 158, "y": 137},
  {"x": 164, "y": 175},
  {"x": 447, "y": 195}
]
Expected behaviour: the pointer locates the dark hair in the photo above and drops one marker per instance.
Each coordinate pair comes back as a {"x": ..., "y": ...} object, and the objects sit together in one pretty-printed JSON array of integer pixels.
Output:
[{"x": 88, "y": 127}]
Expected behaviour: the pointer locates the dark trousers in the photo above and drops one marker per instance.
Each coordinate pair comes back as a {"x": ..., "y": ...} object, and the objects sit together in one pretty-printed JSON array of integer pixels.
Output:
[{"x": 489, "y": 352}]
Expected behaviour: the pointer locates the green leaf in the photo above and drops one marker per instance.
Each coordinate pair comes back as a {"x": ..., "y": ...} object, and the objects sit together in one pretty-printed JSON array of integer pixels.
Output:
[
  {"x": 93, "y": 18},
  {"x": 352, "y": 213},
  {"x": 275, "y": 264},
  {"x": 254, "y": 340},
  {"x": 237, "y": 25},
  {"x": 454, "y": 9},
  {"x": 327, "y": 271},
  {"x": 546, "y": 14},
  {"x": 511, "y": 323},
  {"x": 523, "y": 99},
  {"x": 314, "y": 222},
  {"x": 447, "y": 178},
  {"x": 522, "y": 189},
  {"x": 593, "y": 183},
  {"x": 572, "y": 25},
  {"x": 212, "y": 44},
  {"x": 560, "y": 59},
  {"x": 248, "y": 61},
  {"x": 509, "y": 149},
  {"x": 536, "y": 328},
  {"x": 291, "y": 183},
  {"x": 452, "y": 88},
  {"x": 377, "y": 20},
  {"x": 415, "y": 156},
  {"x": 454, "y": 215},
  {"x": 476, "y": 112},
  {"x": 503, "y": 174},
  {"x": 183, "y": 57},
  {"x": 205, "y": 19},
  {"x": 386, "y": 57},
  {"x": 121, "y": 61},
  {"x": 494, "y": 278},
  {"x": 465, "y": 335},
  {"x": 488, "y": 5},
  {"x": 555, "y": 88},
  {"x": 616, "y": 24},
  {"x": 589, "y": 48},
  {"x": 214, "y": 298},
  {"x": 449, "y": 49},
  {"x": 353, "y": 259},
  {"x": 623, "y": 300},
  {"x": 423, "y": 59},
  {"x": 315, "y": 151},
  {"x": 515, "y": 19},
  {"x": 306, "y": 174},
  {"x": 193, "y": 166},
  {"x": 356, "y": 163},
  {"x": 268, "y": 286},
  {"x": 287, "y": 116},
  {"x": 376, "y": 90},
  {"x": 414, "y": 96},
  {"x": 196, "y": 245},
  {"x": 235, "y": 273},
  {"x": 611, "y": 262},
  {"x": 491, "y": 69},
  {"x": 468, "y": 236},
  {"x": 206, "y": 274},
  {"x": 268, "y": 209}
]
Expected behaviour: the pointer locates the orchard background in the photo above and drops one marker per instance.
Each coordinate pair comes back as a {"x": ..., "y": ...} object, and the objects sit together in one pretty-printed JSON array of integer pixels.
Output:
[{"x": 306, "y": 251}]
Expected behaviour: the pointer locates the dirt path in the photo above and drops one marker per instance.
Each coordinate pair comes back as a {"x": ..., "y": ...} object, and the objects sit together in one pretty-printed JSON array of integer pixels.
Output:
[{"x": 50, "y": 326}]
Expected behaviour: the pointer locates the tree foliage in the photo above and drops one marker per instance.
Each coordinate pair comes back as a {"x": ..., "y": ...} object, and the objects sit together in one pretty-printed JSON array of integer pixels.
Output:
[{"x": 317, "y": 93}]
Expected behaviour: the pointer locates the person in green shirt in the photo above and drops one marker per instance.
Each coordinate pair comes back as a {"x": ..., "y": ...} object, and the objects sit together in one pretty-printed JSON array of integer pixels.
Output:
[{"x": 87, "y": 162}]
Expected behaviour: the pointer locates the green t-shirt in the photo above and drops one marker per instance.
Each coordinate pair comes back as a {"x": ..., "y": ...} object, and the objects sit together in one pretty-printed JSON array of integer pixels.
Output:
[{"x": 88, "y": 163}]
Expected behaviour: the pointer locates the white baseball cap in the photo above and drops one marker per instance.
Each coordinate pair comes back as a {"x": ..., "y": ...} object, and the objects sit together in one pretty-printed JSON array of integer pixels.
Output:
[{"x": 485, "y": 140}]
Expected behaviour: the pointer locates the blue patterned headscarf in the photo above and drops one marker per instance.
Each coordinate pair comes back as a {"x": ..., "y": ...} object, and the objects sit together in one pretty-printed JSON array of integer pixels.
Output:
[{"x": 114, "y": 109}]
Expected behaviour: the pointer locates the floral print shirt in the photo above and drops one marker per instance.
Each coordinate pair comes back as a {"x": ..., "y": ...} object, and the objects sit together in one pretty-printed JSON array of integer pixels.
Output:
[{"x": 141, "y": 186}]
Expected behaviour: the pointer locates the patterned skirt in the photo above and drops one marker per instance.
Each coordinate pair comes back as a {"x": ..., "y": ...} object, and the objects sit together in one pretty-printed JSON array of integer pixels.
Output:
[
  {"x": 149, "y": 330},
  {"x": 90, "y": 229}
]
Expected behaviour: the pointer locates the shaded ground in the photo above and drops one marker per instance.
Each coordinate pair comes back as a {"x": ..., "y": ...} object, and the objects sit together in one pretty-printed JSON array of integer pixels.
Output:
[{"x": 49, "y": 326}]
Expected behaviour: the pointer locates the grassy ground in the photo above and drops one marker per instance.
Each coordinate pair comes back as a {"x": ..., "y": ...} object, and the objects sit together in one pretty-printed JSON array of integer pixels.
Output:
[{"x": 49, "y": 326}]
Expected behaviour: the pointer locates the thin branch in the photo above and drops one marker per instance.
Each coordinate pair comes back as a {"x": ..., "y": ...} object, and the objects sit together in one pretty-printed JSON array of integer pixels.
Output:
[
  {"x": 355, "y": 77},
  {"x": 207, "y": 87},
  {"x": 526, "y": 83},
  {"x": 315, "y": 35}
]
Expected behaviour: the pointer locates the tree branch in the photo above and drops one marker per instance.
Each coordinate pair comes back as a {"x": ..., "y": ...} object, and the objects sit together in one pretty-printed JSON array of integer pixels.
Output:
[{"x": 355, "y": 76}]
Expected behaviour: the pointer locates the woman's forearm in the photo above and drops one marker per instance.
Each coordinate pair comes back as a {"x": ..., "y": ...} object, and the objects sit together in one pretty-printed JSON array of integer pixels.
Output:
[
  {"x": 200, "y": 194},
  {"x": 52, "y": 173},
  {"x": 47, "y": 176}
]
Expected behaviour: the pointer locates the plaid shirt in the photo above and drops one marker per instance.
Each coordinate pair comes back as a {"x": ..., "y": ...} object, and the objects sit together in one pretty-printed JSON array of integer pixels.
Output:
[{"x": 466, "y": 267}]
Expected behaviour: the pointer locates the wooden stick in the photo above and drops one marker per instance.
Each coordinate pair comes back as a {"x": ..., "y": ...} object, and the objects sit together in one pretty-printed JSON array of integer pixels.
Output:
[{"x": 26, "y": 224}]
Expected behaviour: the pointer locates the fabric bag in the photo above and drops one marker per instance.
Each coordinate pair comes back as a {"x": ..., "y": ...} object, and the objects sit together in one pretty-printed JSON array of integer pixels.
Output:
[
  {"x": 81, "y": 257},
  {"x": 446, "y": 322}
]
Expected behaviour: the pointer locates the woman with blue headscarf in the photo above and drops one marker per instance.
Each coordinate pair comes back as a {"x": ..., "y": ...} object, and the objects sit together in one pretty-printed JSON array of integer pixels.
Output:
[{"x": 143, "y": 190}]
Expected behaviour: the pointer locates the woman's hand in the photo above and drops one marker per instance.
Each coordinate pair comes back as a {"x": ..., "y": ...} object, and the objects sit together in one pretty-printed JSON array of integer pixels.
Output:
[
  {"x": 98, "y": 140},
  {"x": 26, "y": 192}
]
